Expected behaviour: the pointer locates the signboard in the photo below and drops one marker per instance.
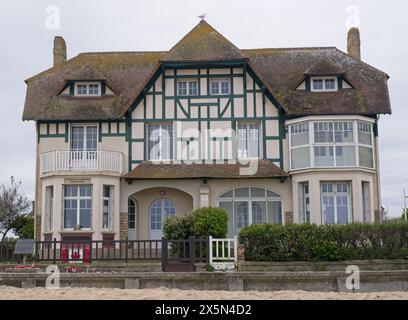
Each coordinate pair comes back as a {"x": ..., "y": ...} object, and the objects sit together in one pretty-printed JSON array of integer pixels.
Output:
[{"x": 24, "y": 246}]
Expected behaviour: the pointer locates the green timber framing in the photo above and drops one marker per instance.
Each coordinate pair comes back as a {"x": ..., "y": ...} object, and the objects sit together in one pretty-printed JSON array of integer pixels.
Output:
[{"x": 150, "y": 89}]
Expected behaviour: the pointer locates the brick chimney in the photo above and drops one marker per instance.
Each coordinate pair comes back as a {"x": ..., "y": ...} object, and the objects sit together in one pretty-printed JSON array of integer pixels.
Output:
[
  {"x": 60, "y": 51},
  {"x": 353, "y": 43}
]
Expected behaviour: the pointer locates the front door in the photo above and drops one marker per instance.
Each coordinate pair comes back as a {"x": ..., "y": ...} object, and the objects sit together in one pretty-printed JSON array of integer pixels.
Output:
[
  {"x": 132, "y": 215},
  {"x": 158, "y": 210}
]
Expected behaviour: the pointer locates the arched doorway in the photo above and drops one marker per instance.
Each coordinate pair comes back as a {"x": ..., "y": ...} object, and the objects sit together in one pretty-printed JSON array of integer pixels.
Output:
[{"x": 159, "y": 209}]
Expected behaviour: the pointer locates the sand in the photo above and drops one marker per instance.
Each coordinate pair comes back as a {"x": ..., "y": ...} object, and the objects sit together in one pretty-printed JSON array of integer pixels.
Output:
[{"x": 12, "y": 293}]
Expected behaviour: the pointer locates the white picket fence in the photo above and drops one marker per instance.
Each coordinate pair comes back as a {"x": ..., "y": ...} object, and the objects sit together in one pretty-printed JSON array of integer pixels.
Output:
[{"x": 223, "y": 253}]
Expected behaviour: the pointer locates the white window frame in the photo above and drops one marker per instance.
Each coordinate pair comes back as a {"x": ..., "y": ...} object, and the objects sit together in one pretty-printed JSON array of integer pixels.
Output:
[
  {"x": 335, "y": 194},
  {"x": 172, "y": 142},
  {"x": 85, "y": 148},
  {"x": 188, "y": 89},
  {"x": 109, "y": 227},
  {"x": 260, "y": 136},
  {"x": 78, "y": 197},
  {"x": 220, "y": 81},
  {"x": 249, "y": 200},
  {"x": 310, "y": 122},
  {"x": 87, "y": 94},
  {"x": 324, "y": 89}
]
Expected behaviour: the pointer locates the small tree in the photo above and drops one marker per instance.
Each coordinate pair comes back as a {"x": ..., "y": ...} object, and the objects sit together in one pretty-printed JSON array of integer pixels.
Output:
[
  {"x": 23, "y": 226},
  {"x": 12, "y": 204}
]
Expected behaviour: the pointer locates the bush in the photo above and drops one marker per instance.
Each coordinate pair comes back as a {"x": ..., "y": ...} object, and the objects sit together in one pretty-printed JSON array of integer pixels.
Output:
[
  {"x": 200, "y": 223},
  {"x": 306, "y": 242}
]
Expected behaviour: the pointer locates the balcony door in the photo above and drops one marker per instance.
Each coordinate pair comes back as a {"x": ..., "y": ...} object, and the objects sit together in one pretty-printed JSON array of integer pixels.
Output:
[{"x": 83, "y": 147}]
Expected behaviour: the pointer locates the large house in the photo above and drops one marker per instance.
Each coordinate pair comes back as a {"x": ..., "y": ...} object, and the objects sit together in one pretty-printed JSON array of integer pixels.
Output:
[{"x": 272, "y": 135}]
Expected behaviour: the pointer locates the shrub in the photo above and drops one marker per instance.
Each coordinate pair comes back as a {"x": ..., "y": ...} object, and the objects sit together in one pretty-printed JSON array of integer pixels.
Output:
[
  {"x": 200, "y": 223},
  {"x": 306, "y": 242}
]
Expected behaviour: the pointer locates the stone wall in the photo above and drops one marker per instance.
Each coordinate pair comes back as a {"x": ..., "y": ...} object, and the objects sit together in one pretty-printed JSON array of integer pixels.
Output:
[{"x": 123, "y": 228}]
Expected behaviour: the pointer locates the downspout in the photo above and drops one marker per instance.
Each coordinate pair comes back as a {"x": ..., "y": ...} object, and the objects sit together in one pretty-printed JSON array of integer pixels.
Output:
[{"x": 377, "y": 155}]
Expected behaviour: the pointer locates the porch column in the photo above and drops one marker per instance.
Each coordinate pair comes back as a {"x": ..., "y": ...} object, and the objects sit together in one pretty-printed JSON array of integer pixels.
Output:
[{"x": 204, "y": 195}]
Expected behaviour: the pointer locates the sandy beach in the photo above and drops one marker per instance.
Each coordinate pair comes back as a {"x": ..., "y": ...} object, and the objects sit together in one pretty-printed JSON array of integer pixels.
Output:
[{"x": 12, "y": 293}]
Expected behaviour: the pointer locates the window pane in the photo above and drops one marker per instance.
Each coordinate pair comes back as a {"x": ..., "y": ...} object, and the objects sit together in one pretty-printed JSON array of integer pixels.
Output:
[
  {"x": 242, "y": 192},
  {"x": 342, "y": 209},
  {"x": 300, "y": 158},
  {"x": 328, "y": 209},
  {"x": 228, "y": 194},
  {"x": 343, "y": 131},
  {"x": 323, "y": 132},
  {"x": 271, "y": 194},
  {"x": 258, "y": 212},
  {"x": 227, "y": 206},
  {"x": 91, "y": 138},
  {"x": 193, "y": 88},
  {"x": 77, "y": 138},
  {"x": 215, "y": 87},
  {"x": 257, "y": 192},
  {"x": 253, "y": 141},
  {"x": 366, "y": 157},
  {"x": 274, "y": 212},
  {"x": 241, "y": 215},
  {"x": 94, "y": 89},
  {"x": 299, "y": 134},
  {"x": 318, "y": 84},
  {"x": 364, "y": 133},
  {"x": 70, "y": 214},
  {"x": 323, "y": 156},
  {"x": 330, "y": 84},
  {"x": 71, "y": 190},
  {"x": 85, "y": 191},
  {"x": 182, "y": 88},
  {"x": 85, "y": 213},
  {"x": 345, "y": 156},
  {"x": 366, "y": 200},
  {"x": 225, "y": 87}
]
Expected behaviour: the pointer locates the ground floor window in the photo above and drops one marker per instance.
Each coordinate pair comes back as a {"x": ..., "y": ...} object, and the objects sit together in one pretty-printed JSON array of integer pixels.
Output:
[
  {"x": 365, "y": 186},
  {"x": 335, "y": 202},
  {"x": 250, "y": 205},
  {"x": 107, "y": 214},
  {"x": 49, "y": 197},
  {"x": 304, "y": 202},
  {"x": 77, "y": 206}
]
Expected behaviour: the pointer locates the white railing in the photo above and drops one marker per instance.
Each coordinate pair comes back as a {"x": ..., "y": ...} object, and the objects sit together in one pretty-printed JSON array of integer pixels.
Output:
[
  {"x": 98, "y": 160},
  {"x": 223, "y": 253}
]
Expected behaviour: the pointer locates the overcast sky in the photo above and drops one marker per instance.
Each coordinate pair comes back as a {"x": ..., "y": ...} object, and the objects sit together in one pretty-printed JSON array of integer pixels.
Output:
[{"x": 98, "y": 25}]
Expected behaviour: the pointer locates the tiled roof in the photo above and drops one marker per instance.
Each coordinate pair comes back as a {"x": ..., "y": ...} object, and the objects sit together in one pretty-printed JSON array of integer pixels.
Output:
[
  {"x": 281, "y": 70},
  {"x": 149, "y": 170}
]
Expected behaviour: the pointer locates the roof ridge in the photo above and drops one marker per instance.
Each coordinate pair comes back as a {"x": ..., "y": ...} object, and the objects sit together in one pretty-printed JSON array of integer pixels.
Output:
[
  {"x": 291, "y": 48},
  {"x": 120, "y": 52}
]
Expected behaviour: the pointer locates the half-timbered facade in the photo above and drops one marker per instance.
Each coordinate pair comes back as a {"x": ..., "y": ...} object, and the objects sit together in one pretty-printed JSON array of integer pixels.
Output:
[{"x": 270, "y": 135}]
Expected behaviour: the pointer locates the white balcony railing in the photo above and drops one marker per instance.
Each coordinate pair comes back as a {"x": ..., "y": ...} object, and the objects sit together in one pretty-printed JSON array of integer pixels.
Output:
[{"x": 98, "y": 160}]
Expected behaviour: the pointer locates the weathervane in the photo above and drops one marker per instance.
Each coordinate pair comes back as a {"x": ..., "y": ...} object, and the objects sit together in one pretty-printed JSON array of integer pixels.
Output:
[{"x": 202, "y": 16}]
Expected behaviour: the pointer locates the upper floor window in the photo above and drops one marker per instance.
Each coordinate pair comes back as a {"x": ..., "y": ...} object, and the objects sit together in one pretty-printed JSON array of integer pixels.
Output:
[
  {"x": 248, "y": 140},
  {"x": 220, "y": 86},
  {"x": 87, "y": 89},
  {"x": 331, "y": 144},
  {"x": 84, "y": 138},
  {"x": 188, "y": 88},
  {"x": 160, "y": 144},
  {"x": 324, "y": 84}
]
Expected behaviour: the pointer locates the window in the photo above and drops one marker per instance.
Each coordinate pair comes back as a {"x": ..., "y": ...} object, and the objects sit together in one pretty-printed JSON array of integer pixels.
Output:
[
  {"x": 304, "y": 203},
  {"x": 365, "y": 186},
  {"x": 335, "y": 202},
  {"x": 131, "y": 214},
  {"x": 324, "y": 84},
  {"x": 87, "y": 89},
  {"x": 365, "y": 146},
  {"x": 220, "y": 86},
  {"x": 159, "y": 209},
  {"x": 160, "y": 144},
  {"x": 248, "y": 139},
  {"x": 49, "y": 198},
  {"x": 188, "y": 88},
  {"x": 84, "y": 138},
  {"x": 250, "y": 205},
  {"x": 77, "y": 206},
  {"x": 300, "y": 145},
  {"x": 107, "y": 208}
]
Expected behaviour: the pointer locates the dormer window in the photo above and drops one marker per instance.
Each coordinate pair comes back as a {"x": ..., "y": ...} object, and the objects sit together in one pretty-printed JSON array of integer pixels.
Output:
[
  {"x": 324, "y": 84},
  {"x": 87, "y": 89}
]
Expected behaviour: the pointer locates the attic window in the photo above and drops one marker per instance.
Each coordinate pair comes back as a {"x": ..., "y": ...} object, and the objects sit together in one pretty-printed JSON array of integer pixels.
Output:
[
  {"x": 87, "y": 89},
  {"x": 324, "y": 84}
]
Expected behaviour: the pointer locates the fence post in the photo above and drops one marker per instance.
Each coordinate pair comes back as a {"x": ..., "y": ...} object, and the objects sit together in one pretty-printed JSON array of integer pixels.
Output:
[
  {"x": 164, "y": 255},
  {"x": 192, "y": 250},
  {"x": 54, "y": 260},
  {"x": 235, "y": 250},
  {"x": 210, "y": 252},
  {"x": 126, "y": 249}
]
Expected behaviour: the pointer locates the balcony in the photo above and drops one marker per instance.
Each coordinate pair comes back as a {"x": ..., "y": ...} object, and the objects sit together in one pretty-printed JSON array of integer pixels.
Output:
[{"x": 81, "y": 161}]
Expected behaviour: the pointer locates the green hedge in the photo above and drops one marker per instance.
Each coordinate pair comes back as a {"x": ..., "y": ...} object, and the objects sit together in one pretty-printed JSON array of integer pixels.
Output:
[
  {"x": 304, "y": 242},
  {"x": 200, "y": 223}
]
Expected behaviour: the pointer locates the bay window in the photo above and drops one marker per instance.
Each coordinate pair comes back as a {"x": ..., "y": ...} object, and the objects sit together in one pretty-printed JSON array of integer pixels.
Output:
[
  {"x": 160, "y": 142},
  {"x": 77, "y": 207},
  {"x": 323, "y": 144}
]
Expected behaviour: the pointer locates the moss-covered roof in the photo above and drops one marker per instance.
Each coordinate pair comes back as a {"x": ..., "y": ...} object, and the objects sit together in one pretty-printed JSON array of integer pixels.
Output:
[{"x": 281, "y": 70}]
